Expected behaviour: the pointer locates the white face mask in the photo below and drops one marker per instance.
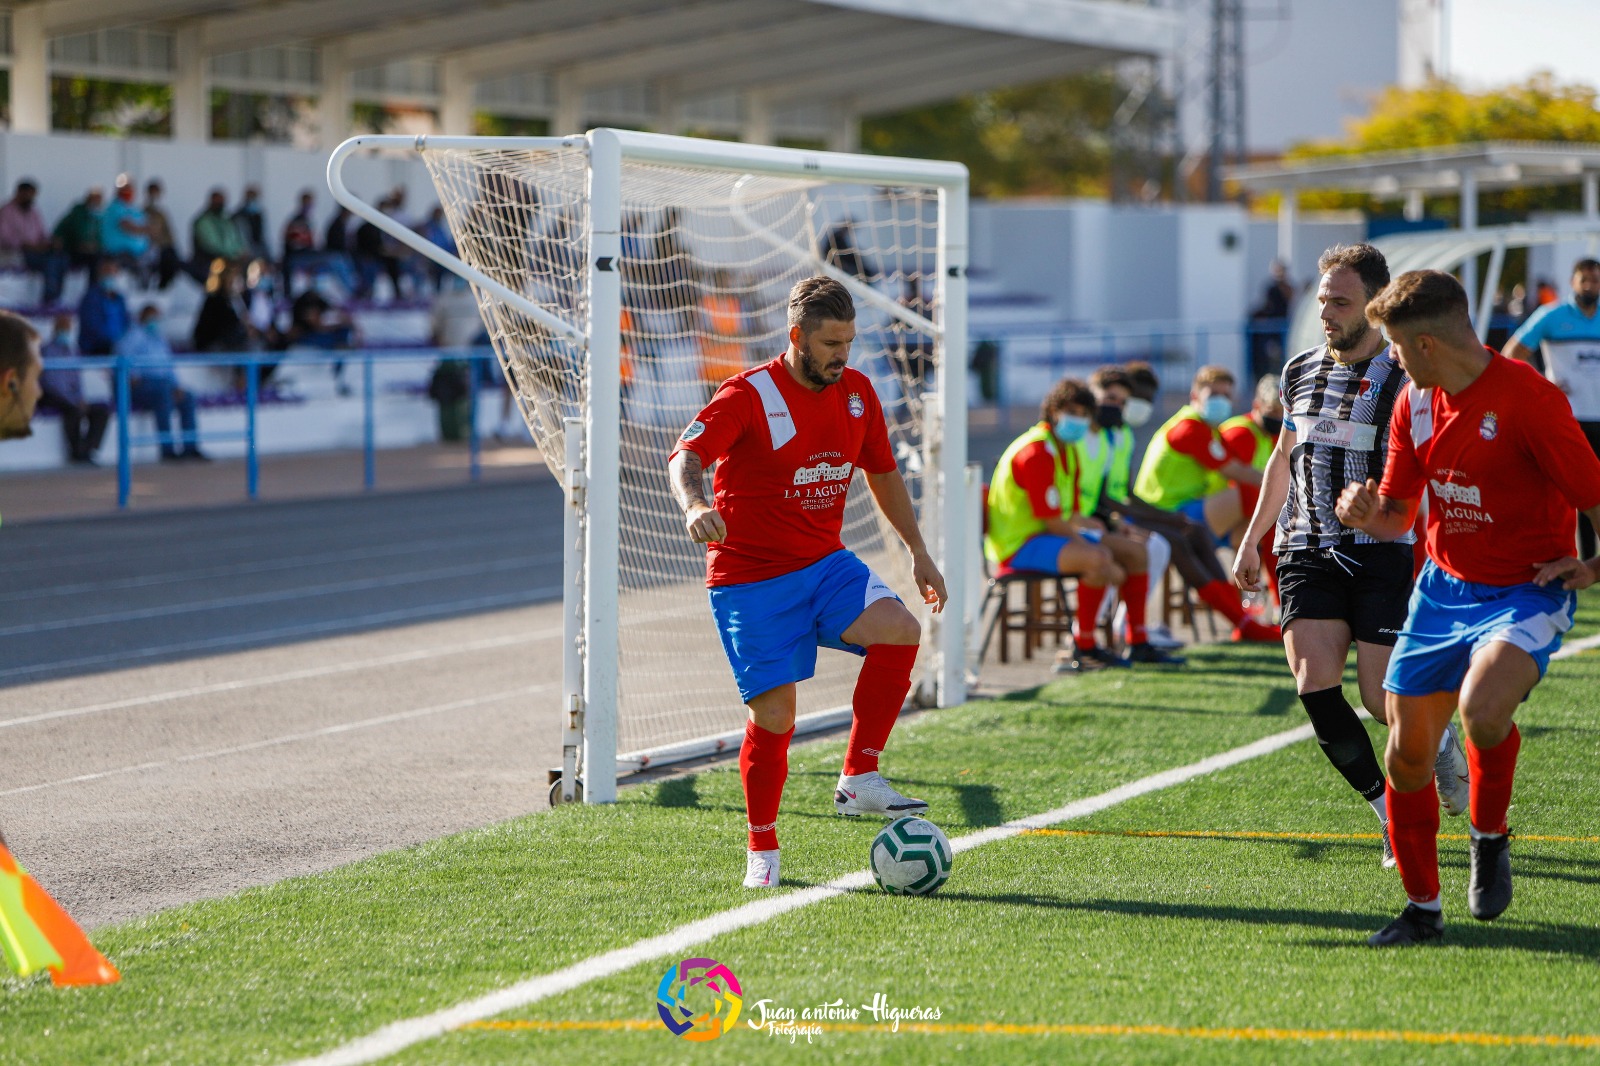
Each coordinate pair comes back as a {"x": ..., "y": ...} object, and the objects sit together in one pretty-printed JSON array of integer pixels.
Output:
[{"x": 1137, "y": 412}]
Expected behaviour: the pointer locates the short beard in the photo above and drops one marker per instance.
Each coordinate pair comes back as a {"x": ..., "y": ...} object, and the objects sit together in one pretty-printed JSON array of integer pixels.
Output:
[
  {"x": 810, "y": 371},
  {"x": 1587, "y": 303},
  {"x": 1353, "y": 339}
]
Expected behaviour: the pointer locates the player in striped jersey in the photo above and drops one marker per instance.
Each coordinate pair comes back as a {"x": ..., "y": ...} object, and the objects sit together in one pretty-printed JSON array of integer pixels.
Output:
[{"x": 1338, "y": 585}]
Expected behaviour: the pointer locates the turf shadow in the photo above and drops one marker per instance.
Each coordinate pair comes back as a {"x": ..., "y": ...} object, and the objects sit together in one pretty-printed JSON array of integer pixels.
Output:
[{"x": 1355, "y": 920}]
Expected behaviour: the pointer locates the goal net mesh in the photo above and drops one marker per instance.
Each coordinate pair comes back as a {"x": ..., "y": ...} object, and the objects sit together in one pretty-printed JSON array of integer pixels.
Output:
[{"x": 708, "y": 258}]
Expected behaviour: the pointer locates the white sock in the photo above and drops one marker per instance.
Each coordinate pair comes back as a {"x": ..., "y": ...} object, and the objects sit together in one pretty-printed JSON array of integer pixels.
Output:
[
  {"x": 1432, "y": 905},
  {"x": 1160, "y": 553},
  {"x": 1478, "y": 834},
  {"x": 1381, "y": 807}
]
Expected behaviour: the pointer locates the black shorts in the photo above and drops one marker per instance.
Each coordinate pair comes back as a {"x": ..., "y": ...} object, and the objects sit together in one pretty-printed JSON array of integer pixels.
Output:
[{"x": 1365, "y": 585}]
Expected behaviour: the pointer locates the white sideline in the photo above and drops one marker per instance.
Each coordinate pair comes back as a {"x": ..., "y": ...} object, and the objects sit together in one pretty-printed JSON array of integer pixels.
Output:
[{"x": 401, "y": 1035}]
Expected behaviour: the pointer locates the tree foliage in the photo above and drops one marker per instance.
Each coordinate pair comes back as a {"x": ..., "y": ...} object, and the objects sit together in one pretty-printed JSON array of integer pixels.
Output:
[
  {"x": 1046, "y": 139},
  {"x": 1442, "y": 113}
]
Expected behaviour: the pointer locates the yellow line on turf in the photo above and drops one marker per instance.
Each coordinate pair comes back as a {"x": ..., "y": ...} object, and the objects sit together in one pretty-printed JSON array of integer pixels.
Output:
[
  {"x": 1370, "y": 1036},
  {"x": 1217, "y": 834}
]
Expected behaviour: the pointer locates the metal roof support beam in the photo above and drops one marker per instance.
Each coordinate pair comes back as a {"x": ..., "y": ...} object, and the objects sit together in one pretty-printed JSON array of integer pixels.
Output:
[
  {"x": 1591, "y": 196},
  {"x": 605, "y": 38},
  {"x": 756, "y": 123},
  {"x": 30, "y": 70},
  {"x": 263, "y": 25},
  {"x": 568, "y": 117},
  {"x": 846, "y": 133},
  {"x": 1025, "y": 67},
  {"x": 191, "y": 96},
  {"x": 860, "y": 59},
  {"x": 476, "y": 26},
  {"x": 1287, "y": 206}
]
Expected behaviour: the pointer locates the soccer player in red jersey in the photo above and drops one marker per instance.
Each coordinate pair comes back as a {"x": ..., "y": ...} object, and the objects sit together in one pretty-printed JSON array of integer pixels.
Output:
[
  {"x": 1505, "y": 466},
  {"x": 787, "y": 438}
]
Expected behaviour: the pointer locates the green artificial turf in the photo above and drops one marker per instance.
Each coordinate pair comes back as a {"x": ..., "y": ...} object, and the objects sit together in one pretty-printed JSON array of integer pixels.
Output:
[{"x": 1045, "y": 930}]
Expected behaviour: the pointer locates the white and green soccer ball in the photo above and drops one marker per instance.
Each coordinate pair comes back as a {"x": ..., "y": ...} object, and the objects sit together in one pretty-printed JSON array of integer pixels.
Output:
[{"x": 911, "y": 856}]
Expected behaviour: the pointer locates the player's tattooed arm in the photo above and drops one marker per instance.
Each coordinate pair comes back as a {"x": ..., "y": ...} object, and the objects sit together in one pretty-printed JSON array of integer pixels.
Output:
[{"x": 687, "y": 475}]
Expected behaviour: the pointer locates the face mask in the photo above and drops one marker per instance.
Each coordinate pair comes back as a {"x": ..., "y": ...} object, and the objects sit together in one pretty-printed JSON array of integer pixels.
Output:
[
  {"x": 153, "y": 327},
  {"x": 1216, "y": 409},
  {"x": 63, "y": 337},
  {"x": 1108, "y": 415},
  {"x": 1271, "y": 425},
  {"x": 1137, "y": 412},
  {"x": 1070, "y": 429}
]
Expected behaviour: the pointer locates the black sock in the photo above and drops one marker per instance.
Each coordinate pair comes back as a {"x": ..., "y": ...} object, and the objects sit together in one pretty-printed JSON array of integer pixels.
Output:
[{"x": 1344, "y": 740}]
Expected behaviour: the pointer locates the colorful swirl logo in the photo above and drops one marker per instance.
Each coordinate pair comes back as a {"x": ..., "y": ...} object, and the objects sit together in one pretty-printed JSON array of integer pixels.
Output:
[{"x": 697, "y": 977}]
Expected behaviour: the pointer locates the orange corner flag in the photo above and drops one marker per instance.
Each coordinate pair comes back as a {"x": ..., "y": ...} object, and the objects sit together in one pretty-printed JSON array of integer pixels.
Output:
[{"x": 36, "y": 934}]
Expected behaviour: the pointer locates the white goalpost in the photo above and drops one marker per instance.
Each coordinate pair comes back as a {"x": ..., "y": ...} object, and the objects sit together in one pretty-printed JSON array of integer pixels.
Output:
[{"x": 621, "y": 276}]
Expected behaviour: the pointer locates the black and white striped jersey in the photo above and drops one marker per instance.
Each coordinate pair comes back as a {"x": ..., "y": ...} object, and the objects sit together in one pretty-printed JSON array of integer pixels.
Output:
[{"x": 1340, "y": 417}]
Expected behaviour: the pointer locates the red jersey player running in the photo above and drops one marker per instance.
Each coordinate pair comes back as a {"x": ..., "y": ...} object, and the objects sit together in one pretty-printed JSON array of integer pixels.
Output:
[
  {"x": 787, "y": 438},
  {"x": 1504, "y": 463}
]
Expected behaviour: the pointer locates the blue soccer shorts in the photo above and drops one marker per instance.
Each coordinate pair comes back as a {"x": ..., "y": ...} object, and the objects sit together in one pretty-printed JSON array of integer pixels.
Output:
[
  {"x": 1041, "y": 553},
  {"x": 1450, "y": 620},
  {"x": 771, "y": 629}
]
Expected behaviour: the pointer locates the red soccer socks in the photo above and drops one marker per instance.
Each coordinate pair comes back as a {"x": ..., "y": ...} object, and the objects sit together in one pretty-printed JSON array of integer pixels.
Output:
[
  {"x": 880, "y": 693},
  {"x": 763, "y": 768},
  {"x": 1492, "y": 771},
  {"x": 1135, "y": 599},
  {"x": 1414, "y": 834}
]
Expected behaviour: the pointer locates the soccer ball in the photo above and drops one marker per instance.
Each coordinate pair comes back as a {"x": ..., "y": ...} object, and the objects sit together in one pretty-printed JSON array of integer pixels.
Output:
[{"x": 911, "y": 856}]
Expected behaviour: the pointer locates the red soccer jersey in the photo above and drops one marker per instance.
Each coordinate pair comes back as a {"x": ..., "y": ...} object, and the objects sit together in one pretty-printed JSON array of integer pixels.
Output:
[
  {"x": 1199, "y": 441},
  {"x": 1240, "y": 443},
  {"x": 1504, "y": 463},
  {"x": 785, "y": 456},
  {"x": 1033, "y": 468}
]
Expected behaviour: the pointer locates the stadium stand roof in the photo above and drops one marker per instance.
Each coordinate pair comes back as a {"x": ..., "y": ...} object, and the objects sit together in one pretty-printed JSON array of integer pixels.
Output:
[{"x": 758, "y": 69}]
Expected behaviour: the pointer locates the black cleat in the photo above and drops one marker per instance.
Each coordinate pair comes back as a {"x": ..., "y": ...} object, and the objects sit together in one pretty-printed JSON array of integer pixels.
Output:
[
  {"x": 1148, "y": 653},
  {"x": 1088, "y": 660},
  {"x": 1414, "y": 926},
  {"x": 1489, "y": 886}
]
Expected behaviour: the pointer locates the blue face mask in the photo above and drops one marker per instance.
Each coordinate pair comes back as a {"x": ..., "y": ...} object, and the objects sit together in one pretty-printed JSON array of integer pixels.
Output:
[
  {"x": 153, "y": 327},
  {"x": 1216, "y": 409},
  {"x": 1070, "y": 429}
]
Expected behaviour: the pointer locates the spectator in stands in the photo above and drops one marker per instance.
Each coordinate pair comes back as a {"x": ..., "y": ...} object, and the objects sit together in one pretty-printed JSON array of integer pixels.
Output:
[
  {"x": 723, "y": 332},
  {"x": 163, "y": 245},
  {"x": 437, "y": 230},
  {"x": 124, "y": 236},
  {"x": 313, "y": 323},
  {"x": 83, "y": 423},
  {"x": 337, "y": 237},
  {"x": 1193, "y": 546},
  {"x": 251, "y": 222},
  {"x": 103, "y": 311},
  {"x": 215, "y": 236},
  {"x": 153, "y": 378},
  {"x": 25, "y": 242},
  {"x": 78, "y": 232},
  {"x": 839, "y": 250},
  {"x": 1269, "y": 322},
  {"x": 220, "y": 324},
  {"x": 299, "y": 234}
]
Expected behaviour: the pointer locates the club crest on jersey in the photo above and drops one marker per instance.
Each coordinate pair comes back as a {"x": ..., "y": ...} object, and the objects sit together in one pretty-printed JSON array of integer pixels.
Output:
[
  {"x": 1365, "y": 387},
  {"x": 695, "y": 428},
  {"x": 857, "y": 408},
  {"x": 1489, "y": 428}
]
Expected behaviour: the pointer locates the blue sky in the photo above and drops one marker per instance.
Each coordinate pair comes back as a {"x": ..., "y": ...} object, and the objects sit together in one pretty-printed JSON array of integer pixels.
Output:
[{"x": 1493, "y": 42}]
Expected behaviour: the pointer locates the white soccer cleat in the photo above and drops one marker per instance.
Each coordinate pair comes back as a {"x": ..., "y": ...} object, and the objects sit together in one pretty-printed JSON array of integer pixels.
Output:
[
  {"x": 870, "y": 794},
  {"x": 761, "y": 869},
  {"x": 1452, "y": 775},
  {"x": 1161, "y": 637}
]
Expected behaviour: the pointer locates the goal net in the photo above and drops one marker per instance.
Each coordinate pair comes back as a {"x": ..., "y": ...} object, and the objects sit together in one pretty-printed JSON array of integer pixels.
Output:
[{"x": 669, "y": 264}]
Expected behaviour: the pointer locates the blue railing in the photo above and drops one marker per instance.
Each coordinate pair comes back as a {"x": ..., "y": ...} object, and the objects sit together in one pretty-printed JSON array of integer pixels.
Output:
[{"x": 122, "y": 371}]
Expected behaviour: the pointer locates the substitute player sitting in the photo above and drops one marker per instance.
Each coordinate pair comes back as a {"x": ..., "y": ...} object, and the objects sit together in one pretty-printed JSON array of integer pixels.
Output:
[
  {"x": 787, "y": 438},
  {"x": 1505, "y": 465}
]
